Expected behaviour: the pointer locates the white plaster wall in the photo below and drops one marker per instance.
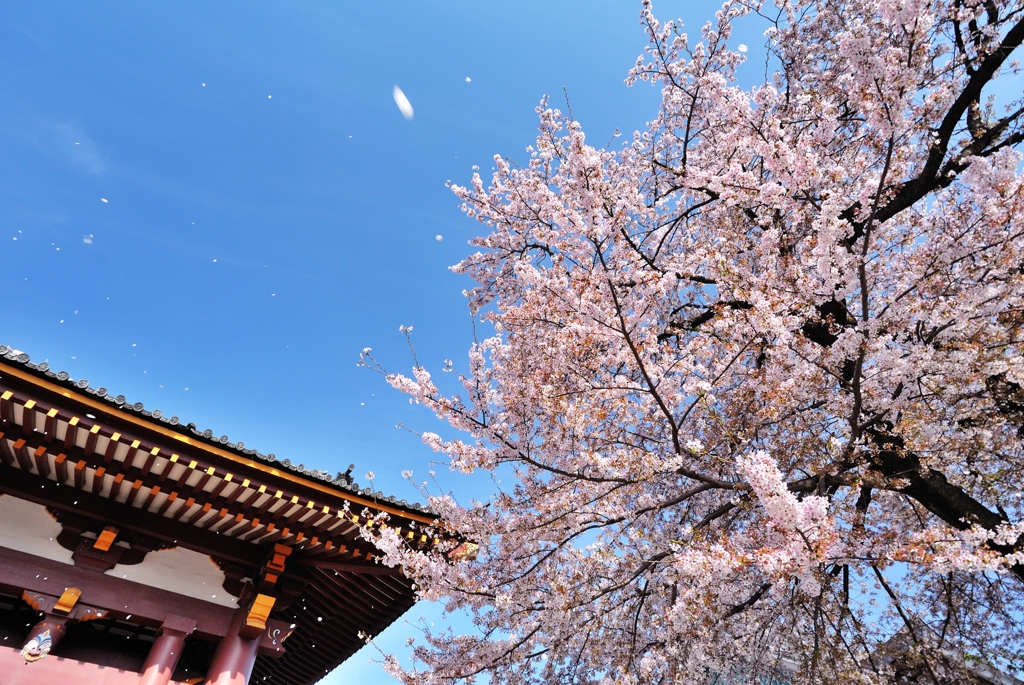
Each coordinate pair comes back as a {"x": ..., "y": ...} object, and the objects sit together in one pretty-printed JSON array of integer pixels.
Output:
[
  {"x": 179, "y": 570},
  {"x": 27, "y": 527}
]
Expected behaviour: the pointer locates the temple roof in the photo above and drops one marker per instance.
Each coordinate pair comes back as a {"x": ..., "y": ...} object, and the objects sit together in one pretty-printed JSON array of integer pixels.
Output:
[
  {"x": 153, "y": 477},
  {"x": 82, "y": 386}
]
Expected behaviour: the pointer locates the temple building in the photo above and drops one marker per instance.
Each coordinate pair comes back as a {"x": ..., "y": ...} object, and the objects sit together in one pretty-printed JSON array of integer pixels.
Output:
[{"x": 138, "y": 550}]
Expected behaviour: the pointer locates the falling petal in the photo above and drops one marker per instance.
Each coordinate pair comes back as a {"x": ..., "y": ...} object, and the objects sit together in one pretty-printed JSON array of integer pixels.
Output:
[
  {"x": 404, "y": 106},
  {"x": 103, "y": 199},
  {"x": 468, "y": 80},
  {"x": 438, "y": 238},
  {"x": 742, "y": 47}
]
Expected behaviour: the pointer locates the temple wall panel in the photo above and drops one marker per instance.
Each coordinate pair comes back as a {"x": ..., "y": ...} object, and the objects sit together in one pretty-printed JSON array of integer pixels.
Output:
[
  {"x": 28, "y": 527},
  {"x": 182, "y": 571},
  {"x": 55, "y": 670}
]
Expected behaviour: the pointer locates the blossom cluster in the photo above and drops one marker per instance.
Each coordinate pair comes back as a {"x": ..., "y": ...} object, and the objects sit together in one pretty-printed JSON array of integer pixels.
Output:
[{"x": 756, "y": 372}]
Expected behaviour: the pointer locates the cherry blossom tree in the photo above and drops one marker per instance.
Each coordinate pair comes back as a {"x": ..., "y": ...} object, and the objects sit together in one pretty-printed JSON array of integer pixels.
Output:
[{"x": 755, "y": 389}]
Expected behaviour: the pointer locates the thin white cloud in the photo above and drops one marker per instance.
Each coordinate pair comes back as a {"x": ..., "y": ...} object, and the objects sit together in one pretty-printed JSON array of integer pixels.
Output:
[{"x": 75, "y": 146}]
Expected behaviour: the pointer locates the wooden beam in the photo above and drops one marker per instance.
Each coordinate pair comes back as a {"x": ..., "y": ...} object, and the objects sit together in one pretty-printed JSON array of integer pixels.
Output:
[
  {"x": 115, "y": 487},
  {"x": 361, "y": 569},
  {"x": 269, "y": 527},
  {"x": 7, "y": 407},
  {"x": 150, "y": 461},
  {"x": 220, "y": 517},
  {"x": 227, "y": 523},
  {"x": 61, "y": 462},
  {"x": 224, "y": 482},
  {"x": 204, "y": 478},
  {"x": 97, "y": 480},
  {"x": 172, "y": 497},
  {"x": 24, "y": 461},
  {"x": 190, "y": 467},
  {"x": 80, "y": 474},
  {"x": 91, "y": 439},
  {"x": 50, "y": 425},
  {"x": 27, "y": 486},
  {"x": 168, "y": 467},
  {"x": 243, "y": 488},
  {"x": 184, "y": 507},
  {"x": 153, "y": 492},
  {"x": 133, "y": 493},
  {"x": 147, "y": 605},
  {"x": 42, "y": 461},
  {"x": 6, "y": 455},
  {"x": 71, "y": 434},
  {"x": 28, "y": 416},
  {"x": 129, "y": 457},
  {"x": 112, "y": 444}
]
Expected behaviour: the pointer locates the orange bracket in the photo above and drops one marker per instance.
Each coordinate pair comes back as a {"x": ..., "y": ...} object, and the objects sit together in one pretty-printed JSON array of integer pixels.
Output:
[
  {"x": 106, "y": 539},
  {"x": 67, "y": 600},
  {"x": 256, "y": 619}
]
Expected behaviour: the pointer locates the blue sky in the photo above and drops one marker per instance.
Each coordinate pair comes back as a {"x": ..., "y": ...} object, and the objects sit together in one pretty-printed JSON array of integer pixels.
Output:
[{"x": 223, "y": 252}]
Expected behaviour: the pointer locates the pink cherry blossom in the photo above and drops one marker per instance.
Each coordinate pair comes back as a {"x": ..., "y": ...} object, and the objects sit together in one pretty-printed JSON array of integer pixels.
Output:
[{"x": 755, "y": 372}]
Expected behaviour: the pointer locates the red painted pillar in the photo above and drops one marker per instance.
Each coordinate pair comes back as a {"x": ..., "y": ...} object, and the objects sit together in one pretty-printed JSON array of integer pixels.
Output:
[
  {"x": 166, "y": 650},
  {"x": 235, "y": 656}
]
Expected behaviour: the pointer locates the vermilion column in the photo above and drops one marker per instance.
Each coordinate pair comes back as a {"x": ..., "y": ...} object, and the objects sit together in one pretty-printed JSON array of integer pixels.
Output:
[
  {"x": 235, "y": 656},
  {"x": 166, "y": 650}
]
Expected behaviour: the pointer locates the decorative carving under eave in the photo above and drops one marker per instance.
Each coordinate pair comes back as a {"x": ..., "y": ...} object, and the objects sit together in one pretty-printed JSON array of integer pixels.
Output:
[
  {"x": 271, "y": 640},
  {"x": 288, "y": 588},
  {"x": 57, "y": 613},
  {"x": 101, "y": 547},
  {"x": 42, "y": 639},
  {"x": 272, "y": 578},
  {"x": 58, "y": 606},
  {"x": 236, "y": 577},
  {"x": 256, "y": 618},
  {"x": 274, "y": 567}
]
